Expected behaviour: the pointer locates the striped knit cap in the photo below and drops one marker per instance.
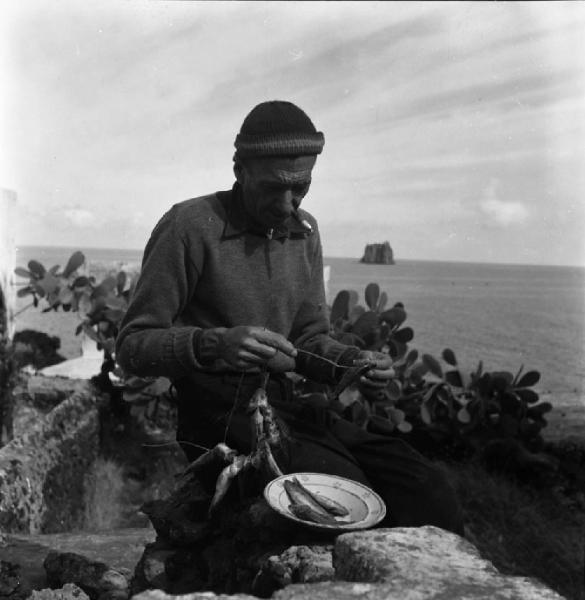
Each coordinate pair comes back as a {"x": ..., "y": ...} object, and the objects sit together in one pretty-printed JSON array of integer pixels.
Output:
[{"x": 278, "y": 128}]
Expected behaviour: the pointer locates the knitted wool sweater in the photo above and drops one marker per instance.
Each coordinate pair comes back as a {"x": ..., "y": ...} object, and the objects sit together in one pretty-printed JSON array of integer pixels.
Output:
[{"x": 204, "y": 266}]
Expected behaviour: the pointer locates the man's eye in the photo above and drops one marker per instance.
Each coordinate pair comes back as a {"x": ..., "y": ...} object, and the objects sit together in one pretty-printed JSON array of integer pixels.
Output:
[
  {"x": 272, "y": 188},
  {"x": 296, "y": 189},
  {"x": 300, "y": 189}
]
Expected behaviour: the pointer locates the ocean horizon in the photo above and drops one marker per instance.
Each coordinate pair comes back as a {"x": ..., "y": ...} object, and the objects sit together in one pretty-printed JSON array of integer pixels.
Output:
[{"x": 135, "y": 254}]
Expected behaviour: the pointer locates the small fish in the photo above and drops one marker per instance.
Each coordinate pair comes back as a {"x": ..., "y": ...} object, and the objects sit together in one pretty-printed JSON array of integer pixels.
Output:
[
  {"x": 331, "y": 506},
  {"x": 306, "y": 513},
  {"x": 299, "y": 497}
]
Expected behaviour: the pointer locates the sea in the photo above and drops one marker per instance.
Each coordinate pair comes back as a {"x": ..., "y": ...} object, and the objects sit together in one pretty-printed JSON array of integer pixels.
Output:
[{"x": 508, "y": 316}]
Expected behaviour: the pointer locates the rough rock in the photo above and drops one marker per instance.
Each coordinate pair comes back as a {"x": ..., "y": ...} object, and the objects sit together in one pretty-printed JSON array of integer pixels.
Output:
[
  {"x": 172, "y": 523},
  {"x": 181, "y": 570},
  {"x": 426, "y": 562},
  {"x": 160, "y": 595},
  {"x": 95, "y": 578},
  {"x": 47, "y": 392},
  {"x": 68, "y": 592},
  {"x": 297, "y": 564},
  {"x": 42, "y": 471},
  {"x": 341, "y": 590},
  {"x": 390, "y": 564},
  {"x": 151, "y": 570},
  {"x": 378, "y": 254},
  {"x": 13, "y": 585},
  {"x": 35, "y": 396}
]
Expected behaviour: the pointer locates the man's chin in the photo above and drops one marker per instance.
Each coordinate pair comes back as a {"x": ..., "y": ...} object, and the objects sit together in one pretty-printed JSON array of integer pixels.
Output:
[
  {"x": 269, "y": 221},
  {"x": 276, "y": 222}
]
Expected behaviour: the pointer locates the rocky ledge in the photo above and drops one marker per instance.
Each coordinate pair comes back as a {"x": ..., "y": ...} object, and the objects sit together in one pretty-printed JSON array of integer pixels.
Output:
[{"x": 385, "y": 564}]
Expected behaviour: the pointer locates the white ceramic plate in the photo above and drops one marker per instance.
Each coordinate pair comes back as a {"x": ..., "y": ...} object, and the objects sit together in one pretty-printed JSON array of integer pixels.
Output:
[{"x": 366, "y": 508}]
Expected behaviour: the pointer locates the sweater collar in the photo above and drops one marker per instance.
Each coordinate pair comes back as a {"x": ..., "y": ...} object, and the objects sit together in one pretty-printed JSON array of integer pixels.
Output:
[{"x": 238, "y": 222}]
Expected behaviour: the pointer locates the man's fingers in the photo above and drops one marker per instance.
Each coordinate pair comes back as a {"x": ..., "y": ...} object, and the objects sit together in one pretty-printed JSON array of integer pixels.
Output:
[
  {"x": 382, "y": 374},
  {"x": 360, "y": 362},
  {"x": 373, "y": 382},
  {"x": 373, "y": 385},
  {"x": 378, "y": 377},
  {"x": 246, "y": 360},
  {"x": 275, "y": 341},
  {"x": 258, "y": 349},
  {"x": 380, "y": 362}
]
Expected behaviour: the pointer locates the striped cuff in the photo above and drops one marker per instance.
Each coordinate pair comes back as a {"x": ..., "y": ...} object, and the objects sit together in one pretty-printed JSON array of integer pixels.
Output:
[
  {"x": 179, "y": 352},
  {"x": 279, "y": 144}
]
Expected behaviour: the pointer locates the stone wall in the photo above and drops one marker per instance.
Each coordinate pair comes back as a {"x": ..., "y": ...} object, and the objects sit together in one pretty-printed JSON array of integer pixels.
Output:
[
  {"x": 42, "y": 469},
  {"x": 404, "y": 563}
]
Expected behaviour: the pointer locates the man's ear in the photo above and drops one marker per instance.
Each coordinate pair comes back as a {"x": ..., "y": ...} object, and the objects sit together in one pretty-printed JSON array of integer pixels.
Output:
[{"x": 239, "y": 172}]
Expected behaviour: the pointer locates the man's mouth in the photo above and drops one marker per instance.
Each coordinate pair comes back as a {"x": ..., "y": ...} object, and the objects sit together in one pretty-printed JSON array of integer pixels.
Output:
[{"x": 277, "y": 218}]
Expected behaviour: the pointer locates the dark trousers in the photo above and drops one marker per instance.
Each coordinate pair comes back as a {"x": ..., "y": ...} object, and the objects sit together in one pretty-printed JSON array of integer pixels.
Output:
[{"x": 212, "y": 409}]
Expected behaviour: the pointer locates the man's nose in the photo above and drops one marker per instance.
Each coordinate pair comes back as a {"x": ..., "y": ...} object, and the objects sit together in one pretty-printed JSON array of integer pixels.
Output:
[{"x": 284, "y": 203}]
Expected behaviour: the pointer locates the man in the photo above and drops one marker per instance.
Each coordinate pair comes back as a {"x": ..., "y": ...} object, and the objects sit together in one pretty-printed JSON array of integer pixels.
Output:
[{"x": 232, "y": 284}]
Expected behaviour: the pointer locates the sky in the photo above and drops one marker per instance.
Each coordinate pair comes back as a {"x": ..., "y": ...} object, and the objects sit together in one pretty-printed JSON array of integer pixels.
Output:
[{"x": 455, "y": 131}]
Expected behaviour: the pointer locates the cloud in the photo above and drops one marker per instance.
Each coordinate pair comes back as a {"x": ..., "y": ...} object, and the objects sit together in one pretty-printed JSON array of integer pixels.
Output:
[
  {"x": 82, "y": 217},
  {"x": 502, "y": 212},
  {"x": 58, "y": 217},
  {"x": 505, "y": 213},
  {"x": 119, "y": 111}
]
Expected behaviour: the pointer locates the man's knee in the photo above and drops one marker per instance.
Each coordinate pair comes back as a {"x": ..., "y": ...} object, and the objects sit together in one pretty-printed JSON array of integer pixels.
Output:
[{"x": 431, "y": 500}]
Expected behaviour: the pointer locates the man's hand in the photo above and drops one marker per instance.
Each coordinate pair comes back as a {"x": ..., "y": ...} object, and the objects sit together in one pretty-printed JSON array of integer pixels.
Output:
[
  {"x": 244, "y": 347},
  {"x": 380, "y": 374}
]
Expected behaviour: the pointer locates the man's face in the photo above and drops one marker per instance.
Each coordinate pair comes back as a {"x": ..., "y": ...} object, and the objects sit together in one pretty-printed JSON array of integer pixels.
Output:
[{"x": 273, "y": 187}]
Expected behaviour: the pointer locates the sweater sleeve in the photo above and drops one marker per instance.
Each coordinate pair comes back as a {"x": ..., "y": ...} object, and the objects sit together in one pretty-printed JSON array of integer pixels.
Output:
[
  {"x": 311, "y": 328},
  {"x": 150, "y": 342}
]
